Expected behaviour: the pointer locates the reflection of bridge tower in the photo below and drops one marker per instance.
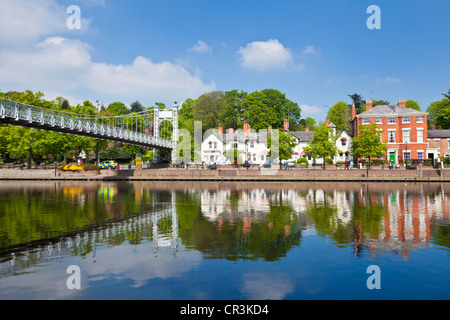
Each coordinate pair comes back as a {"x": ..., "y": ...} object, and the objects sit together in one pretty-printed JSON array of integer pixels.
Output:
[
  {"x": 170, "y": 115},
  {"x": 161, "y": 239}
]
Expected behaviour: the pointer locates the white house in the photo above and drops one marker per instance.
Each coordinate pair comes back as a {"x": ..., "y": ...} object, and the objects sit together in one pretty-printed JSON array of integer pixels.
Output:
[{"x": 251, "y": 146}]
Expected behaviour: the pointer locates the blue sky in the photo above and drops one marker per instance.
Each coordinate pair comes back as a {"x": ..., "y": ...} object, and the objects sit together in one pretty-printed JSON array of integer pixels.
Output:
[{"x": 316, "y": 52}]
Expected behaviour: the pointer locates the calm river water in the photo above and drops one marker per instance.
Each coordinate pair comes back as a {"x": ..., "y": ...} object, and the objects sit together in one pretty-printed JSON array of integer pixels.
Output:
[{"x": 224, "y": 241}]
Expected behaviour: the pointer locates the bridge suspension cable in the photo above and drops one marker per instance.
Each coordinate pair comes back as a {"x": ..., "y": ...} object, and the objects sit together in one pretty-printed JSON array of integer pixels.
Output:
[{"x": 128, "y": 128}]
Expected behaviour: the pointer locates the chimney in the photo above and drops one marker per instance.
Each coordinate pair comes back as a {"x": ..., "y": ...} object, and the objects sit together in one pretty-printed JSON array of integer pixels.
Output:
[
  {"x": 368, "y": 105},
  {"x": 269, "y": 129},
  {"x": 327, "y": 123},
  {"x": 245, "y": 129},
  {"x": 402, "y": 103},
  {"x": 353, "y": 112},
  {"x": 220, "y": 129},
  {"x": 307, "y": 129},
  {"x": 286, "y": 125}
]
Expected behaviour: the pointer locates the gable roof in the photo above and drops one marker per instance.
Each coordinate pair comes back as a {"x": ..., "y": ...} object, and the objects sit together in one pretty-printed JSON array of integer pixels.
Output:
[{"x": 390, "y": 110}]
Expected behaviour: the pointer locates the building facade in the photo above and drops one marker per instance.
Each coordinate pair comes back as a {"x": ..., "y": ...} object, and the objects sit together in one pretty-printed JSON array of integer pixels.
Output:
[{"x": 403, "y": 130}]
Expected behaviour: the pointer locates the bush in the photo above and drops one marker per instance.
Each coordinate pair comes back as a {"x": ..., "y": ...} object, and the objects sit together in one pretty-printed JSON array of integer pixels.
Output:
[
  {"x": 328, "y": 161},
  {"x": 91, "y": 167},
  {"x": 303, "y": 161},
  {"x": 446, "y": 160}
]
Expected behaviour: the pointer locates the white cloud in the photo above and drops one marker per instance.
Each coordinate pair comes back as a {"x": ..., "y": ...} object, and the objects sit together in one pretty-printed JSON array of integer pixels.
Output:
[
  {"x": 63, "y": 66},
  {"x": 23, "y": 22},
  {"x": 200, "y": 47},
  {"x": 308, "y": 110},
  {"x": 310, "y": 50},
  {"x": 266, "y": 55}
]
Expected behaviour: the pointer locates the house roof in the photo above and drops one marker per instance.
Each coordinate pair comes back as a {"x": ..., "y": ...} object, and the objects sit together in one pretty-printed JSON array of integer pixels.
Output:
[
  {"x": 437, "y": 134},
  {"x": 303, "y": 136},
  {"x": 390, "y": 110}
]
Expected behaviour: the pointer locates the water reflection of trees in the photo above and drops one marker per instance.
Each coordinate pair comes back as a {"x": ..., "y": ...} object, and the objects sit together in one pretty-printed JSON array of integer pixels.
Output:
[
  {"x": 234, "y": 233},
  {"x": 232, "y": 220}
]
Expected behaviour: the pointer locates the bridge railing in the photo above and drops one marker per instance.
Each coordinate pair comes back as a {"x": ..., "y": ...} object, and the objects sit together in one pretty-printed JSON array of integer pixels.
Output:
[{"x": 12, "y": 111}]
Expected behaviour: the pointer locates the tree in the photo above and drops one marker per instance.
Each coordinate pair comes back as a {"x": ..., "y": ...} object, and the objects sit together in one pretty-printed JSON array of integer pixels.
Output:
[
  {"x": 208, "y": 108},
  {"x": 434, "y": 109},
  {"x": 358, "y": 101},
  {"x": 117, "y": 108},
  {"x": 339, "y": 114},
  {"x": 443, "y": 118},
  {"x": 305, "y": 123},
  {"x": 233, "y": 115},
  {"x": 323, "y": 143},
  {"x": 368, "y": 143},
  {"x": 136, "y": 107},
  {"x": 411, "y": 104},
  {"x": 258, "y": 112},
  {"x": 281, "y": 145},
  {"x": 447, "y": 94}
]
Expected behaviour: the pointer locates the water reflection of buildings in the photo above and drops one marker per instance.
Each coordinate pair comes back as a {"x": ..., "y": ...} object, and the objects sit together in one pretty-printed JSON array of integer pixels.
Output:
[{"x": 406, "y": 222}]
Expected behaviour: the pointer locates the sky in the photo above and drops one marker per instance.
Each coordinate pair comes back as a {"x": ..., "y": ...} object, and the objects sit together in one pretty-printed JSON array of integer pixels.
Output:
[{"x": 317, "y": 52}]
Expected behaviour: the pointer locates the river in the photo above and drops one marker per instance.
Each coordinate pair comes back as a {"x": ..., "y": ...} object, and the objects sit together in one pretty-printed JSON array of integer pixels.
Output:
[{"x": 213, "y": 241}]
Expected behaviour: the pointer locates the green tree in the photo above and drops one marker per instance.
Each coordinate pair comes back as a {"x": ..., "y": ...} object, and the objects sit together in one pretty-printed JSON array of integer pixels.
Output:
[
  {"x": 281, "y": 145},
  {"x": 136, "y": 107},
  {"x": 358, "y": 101},
  {"x": 305, "y": 123},
  {"x": 233, "y": 115},
  {"x": 258, "y": 112},
  {"x": 443, "y": 119},
  {"x": 434, "y": 109},
  {"x": 208, "y": 108},
  {"x": 117, "y": 108},
  {"x": 411, "y": 104},
  {"x": 368, "y": 143},
  {"x": 339, "y": 114},
  {"x": 323, "y": 143}
]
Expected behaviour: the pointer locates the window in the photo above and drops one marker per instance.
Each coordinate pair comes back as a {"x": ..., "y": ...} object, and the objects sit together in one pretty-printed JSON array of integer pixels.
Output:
[
  {"x": 365, "y": 121},
  {"x": 406, "y": 155},
  {"x": 437, "y": 142},
  {"x": 378, "y": 120},
  {"x": 391, "y": 120},
  {"x": 406, "y": 136},
  {"x": 405, "y": 119},
  {"x": 419, "y": 119},
  {"x": 252, "y": 144},
  {"x": 262, "y": 157},
  {"x": 420, "y": 155},
  {"x": 215, "y": 145},
  {"x": 391, "y": 136},
  {"x": 210, "y": 144},
  {"x": 344, "y": 142},
  {"x": 419, "y": 135},
  {"x": 254, "y": 157}
]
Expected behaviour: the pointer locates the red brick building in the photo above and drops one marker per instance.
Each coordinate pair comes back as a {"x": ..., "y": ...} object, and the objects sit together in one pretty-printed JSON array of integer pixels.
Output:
[{"x": 404, "y": 130}]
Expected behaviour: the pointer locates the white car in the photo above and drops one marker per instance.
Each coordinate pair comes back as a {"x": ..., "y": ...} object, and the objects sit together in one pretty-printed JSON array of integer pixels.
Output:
[{"x": 290, "y": 164}]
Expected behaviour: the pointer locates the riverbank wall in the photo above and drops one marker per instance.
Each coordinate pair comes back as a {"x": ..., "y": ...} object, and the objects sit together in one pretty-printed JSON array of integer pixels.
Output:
[{"x": 289, "y": 175}]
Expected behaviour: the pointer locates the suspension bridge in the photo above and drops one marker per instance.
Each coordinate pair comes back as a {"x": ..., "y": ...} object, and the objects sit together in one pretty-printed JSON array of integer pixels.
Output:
[{"x": 142, "y": 129}]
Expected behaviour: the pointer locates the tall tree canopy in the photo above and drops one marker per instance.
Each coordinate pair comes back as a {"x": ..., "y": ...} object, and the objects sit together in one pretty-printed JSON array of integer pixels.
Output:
[{"x": 339, "y": 115}]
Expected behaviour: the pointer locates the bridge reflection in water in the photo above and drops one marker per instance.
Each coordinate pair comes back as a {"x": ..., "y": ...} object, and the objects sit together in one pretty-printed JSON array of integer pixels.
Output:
[{"x": 221, "y": 220}]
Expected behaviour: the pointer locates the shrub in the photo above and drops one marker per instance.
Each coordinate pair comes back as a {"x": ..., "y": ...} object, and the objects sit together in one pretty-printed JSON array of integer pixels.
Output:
[
  {"x": 303, "y": 161},
  {"x": 328, "y": 161},
  {"x": 90, "y": 167}
]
